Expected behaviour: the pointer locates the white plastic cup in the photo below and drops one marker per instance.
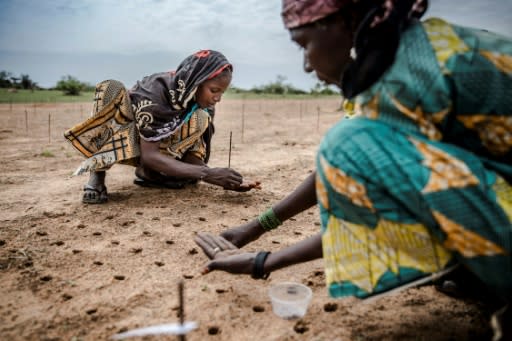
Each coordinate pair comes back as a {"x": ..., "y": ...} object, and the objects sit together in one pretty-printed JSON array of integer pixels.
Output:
[{"x": 290, "y": 300}]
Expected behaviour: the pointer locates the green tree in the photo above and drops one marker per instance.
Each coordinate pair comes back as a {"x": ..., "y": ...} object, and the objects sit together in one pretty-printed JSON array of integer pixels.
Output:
[
  {"x": 27, "y": 83},
  {"x": 70, "y": 85},
  {"x": 321, "y": 88},
  {"x": 278, "y": 87},
  {"x": 5, "y": 79}
]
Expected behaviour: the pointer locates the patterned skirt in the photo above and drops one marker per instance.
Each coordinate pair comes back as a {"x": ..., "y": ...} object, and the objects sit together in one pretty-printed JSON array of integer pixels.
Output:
[
  {"x": 397, "y": 207},
  {"x": 110, "y": 135}
]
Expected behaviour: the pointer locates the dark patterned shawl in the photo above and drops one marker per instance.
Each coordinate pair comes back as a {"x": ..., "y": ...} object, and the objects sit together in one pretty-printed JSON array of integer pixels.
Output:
[{"x": 161, "y": 101}]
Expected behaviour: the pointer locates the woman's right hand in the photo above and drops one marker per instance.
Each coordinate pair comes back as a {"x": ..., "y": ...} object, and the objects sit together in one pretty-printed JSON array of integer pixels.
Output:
[
  {"x": 243, "y": 234},
  {"x": 227, "y": 178},
  {"x": 223, "y": 255}
]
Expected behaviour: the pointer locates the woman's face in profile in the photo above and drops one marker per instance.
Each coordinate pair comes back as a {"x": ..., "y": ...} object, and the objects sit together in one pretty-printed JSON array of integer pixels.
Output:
[
  {"x": 326, "y": 49},
  {"x": 210, "y": 92}
]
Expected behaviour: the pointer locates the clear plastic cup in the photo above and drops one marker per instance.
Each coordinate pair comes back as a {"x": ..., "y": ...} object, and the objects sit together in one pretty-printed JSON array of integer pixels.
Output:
[{"x": 290, "y": 300}]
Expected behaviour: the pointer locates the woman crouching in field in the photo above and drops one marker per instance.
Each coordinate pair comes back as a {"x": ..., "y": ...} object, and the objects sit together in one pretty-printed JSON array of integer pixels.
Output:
[
  {"x": 163, "y": 126},
  {"x": 420, "y": 178}
]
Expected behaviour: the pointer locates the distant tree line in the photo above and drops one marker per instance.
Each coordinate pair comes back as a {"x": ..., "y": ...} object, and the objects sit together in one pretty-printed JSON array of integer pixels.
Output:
[
  {"x": 70, "y": 85},
  {"x": 280, "y": 87},
  {"x": 67, "y": 84},
  {"x": 8, "y": 80}
]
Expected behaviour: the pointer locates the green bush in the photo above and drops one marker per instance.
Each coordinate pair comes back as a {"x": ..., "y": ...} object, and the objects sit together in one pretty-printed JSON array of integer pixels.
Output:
[{"x": 71, "y": 86}]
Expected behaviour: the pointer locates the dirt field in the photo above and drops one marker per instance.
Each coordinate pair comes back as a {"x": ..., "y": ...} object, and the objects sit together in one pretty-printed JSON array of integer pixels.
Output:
[{"x": 69, "y": 271}]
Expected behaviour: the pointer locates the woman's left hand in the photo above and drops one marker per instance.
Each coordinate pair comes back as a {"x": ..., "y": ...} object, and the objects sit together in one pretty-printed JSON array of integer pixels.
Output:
[{"x": 225, "y": 256}]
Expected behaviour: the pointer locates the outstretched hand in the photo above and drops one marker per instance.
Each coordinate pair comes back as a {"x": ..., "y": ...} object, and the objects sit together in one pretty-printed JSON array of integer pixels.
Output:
[
  {"x": 224, "y": 255},
  {"x": 245, "y": 186}
]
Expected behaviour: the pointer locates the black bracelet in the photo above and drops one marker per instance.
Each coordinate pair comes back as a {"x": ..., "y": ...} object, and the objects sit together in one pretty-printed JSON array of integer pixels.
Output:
[{"x": 259, "y": 262}]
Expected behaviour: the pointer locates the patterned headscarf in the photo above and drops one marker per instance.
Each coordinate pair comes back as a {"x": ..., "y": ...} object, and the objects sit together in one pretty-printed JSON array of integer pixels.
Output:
[
  {"x": 296, "y": 13},
  {"x": 194, "y": 70},
  {"x": 161, "y": 101}
]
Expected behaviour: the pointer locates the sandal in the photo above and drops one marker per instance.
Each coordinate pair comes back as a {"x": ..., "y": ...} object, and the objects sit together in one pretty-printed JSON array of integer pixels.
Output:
[{"x": 94, "y": 196}]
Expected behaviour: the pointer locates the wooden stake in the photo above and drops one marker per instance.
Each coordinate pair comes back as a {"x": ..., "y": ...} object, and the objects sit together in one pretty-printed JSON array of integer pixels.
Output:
[
  {"x": 49, "y": 127},
  {"x": 26, "y": 120},
  {"x": 182, "y": 308},
  {"x": 317, "y": 118},
  {"x": 229, "y": 155},
  {"x": 243, "y": 121}
]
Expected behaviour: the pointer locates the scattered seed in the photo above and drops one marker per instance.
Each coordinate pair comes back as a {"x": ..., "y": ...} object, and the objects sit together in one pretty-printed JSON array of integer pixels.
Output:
[
  {"x": 76, "y": 251},
  {"x": 202, "y": 219},
  {"x": 300, "y": 327},
  {"x": 66, "y": 297},
  {"x": 119, "y": 277},
  {"x": 192, "y": 251},
  {"x": 169, "y": 242},
  {"x": 176, "y": 224},
  {"x": 91, "y": 311},
  {"x": 213, "y": 330},
  {"x": 97, "y": 263},
  {"x": 41, "y": 233},
  {"x": 220, "y": 291},
  {"x": 136, "y": 250},
  {"x": 188, "y": 276},
  {"x": 80, "y": 226},
  {"x": 159, "y": 263},
  {"x": 330, "y": 307},
  {"x": 115, "y": 242},
  {"x": 46, "y": 278},
  {"x": 96, "y": 234},
  {"x": 258, "y": 309}
]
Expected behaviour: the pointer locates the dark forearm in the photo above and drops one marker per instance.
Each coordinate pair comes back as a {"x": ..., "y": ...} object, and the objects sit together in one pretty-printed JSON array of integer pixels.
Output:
[
  {"x": 172, "y": 167},
  {"x": 153, "y": 159},
  {"x": 304, "y": 251},
  {"x": 302, "y": 198}
]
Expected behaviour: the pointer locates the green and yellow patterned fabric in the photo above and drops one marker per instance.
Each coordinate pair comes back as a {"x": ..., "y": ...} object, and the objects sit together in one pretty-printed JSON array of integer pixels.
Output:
[{"x": 420, "y": 176}]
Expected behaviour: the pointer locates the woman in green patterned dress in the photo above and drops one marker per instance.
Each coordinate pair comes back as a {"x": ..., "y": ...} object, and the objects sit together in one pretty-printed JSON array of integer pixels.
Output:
[{"x": 419, "y": 179}]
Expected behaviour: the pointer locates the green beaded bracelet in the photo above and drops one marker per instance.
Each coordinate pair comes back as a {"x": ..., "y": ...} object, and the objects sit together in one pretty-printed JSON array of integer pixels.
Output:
[{"x": 268, "y": 220}]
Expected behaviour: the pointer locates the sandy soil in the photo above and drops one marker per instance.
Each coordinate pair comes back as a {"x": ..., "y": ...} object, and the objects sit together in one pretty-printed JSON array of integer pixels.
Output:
[{"x": 69, "y": 271}]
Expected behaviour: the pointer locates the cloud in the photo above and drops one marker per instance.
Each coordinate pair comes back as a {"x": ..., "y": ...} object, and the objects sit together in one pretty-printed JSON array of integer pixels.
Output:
[{"x": 155, "y": 34}]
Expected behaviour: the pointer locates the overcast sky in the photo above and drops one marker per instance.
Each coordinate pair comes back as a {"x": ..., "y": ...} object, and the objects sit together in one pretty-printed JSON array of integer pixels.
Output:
[{"x": 94, "y": 40}]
